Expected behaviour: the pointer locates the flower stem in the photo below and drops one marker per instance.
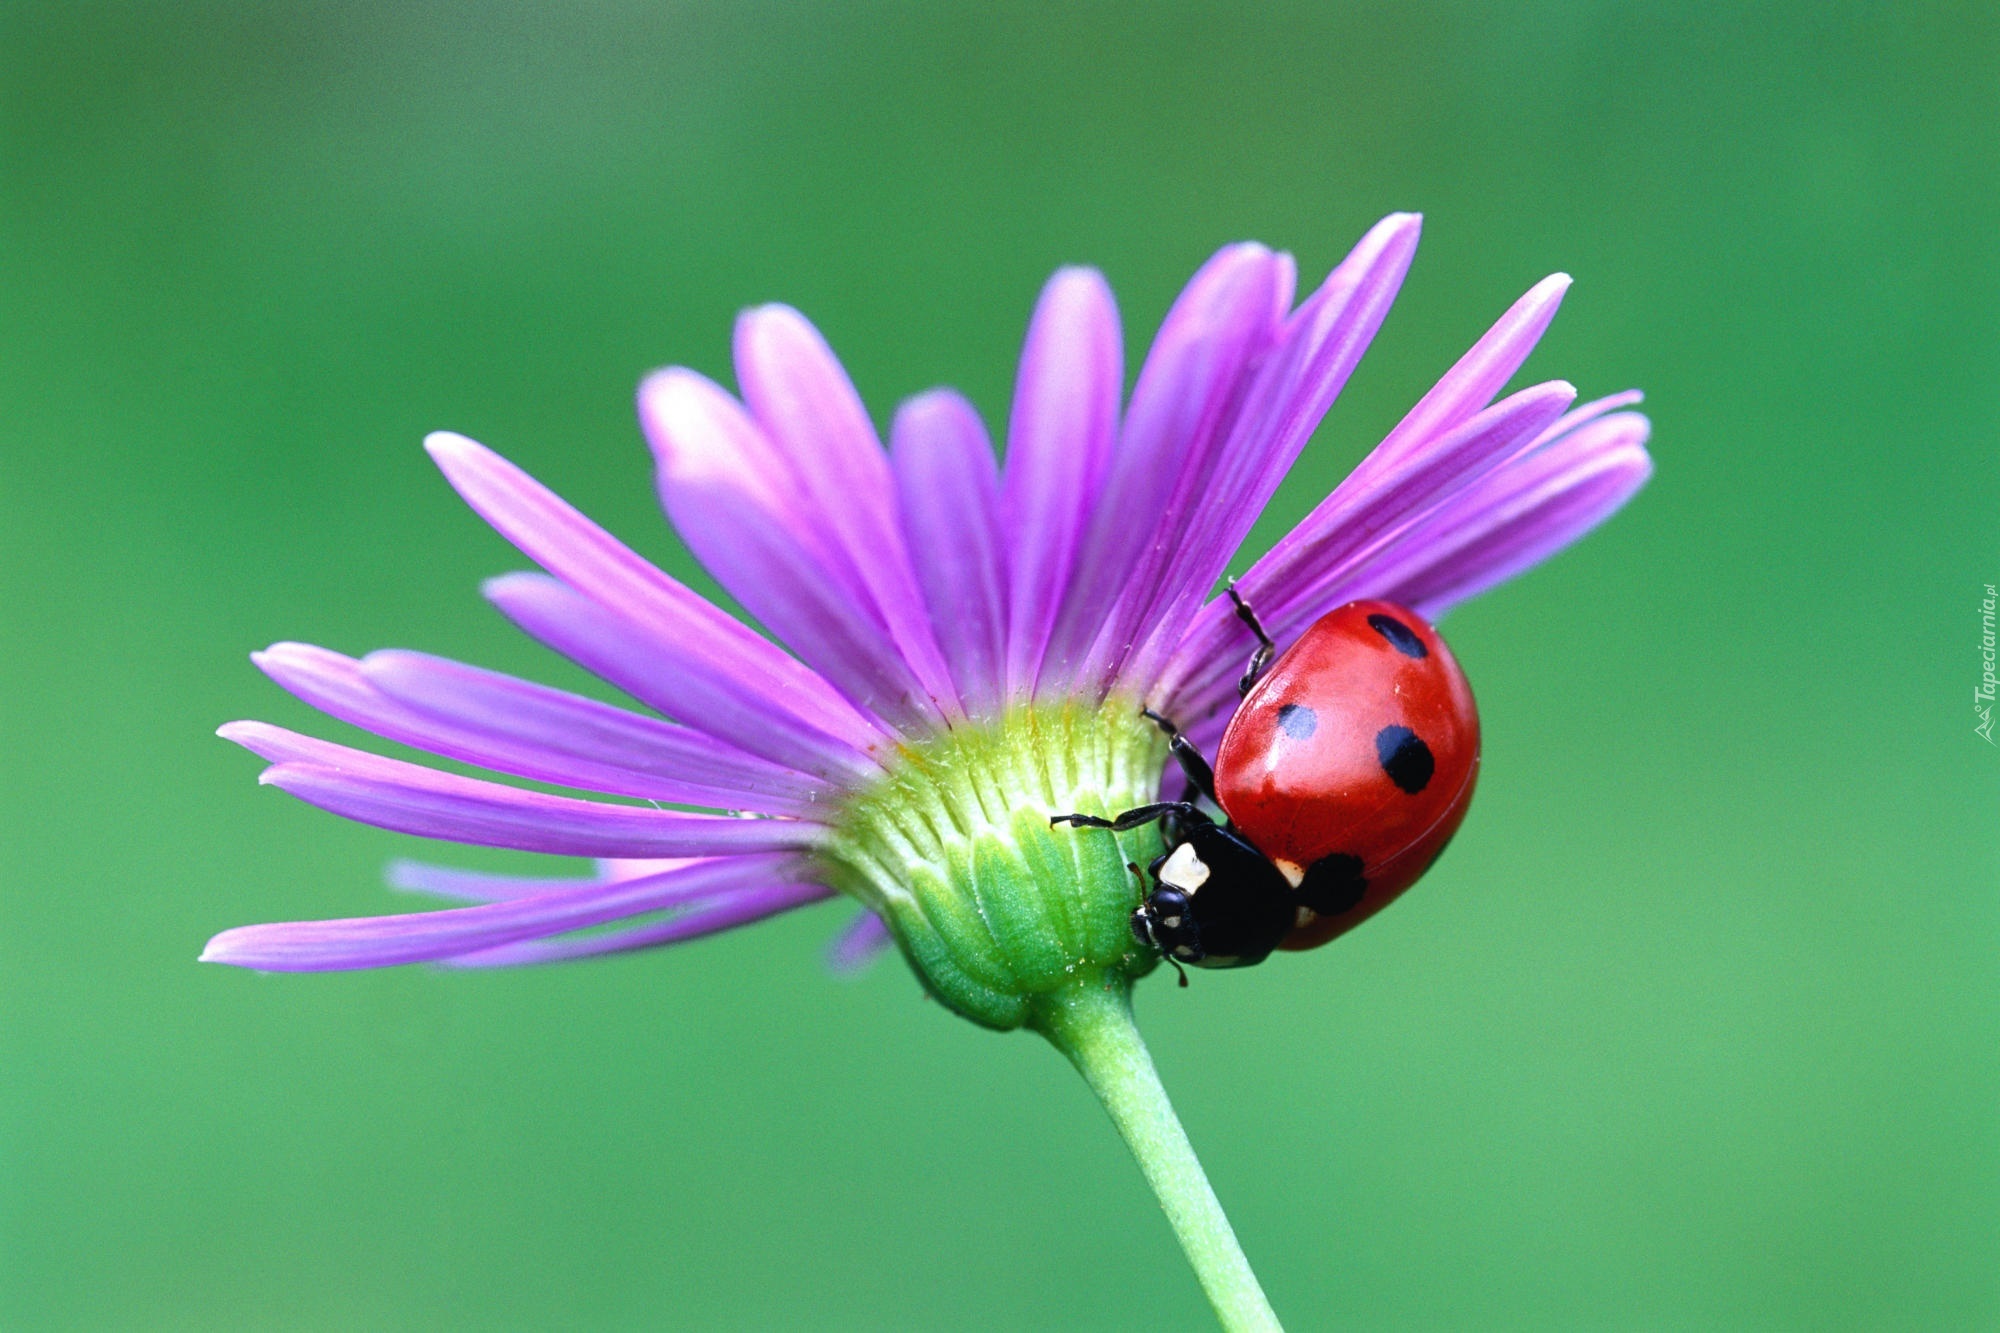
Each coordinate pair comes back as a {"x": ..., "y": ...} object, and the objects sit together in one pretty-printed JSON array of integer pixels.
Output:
[{"x": 1092, "y": 1024}]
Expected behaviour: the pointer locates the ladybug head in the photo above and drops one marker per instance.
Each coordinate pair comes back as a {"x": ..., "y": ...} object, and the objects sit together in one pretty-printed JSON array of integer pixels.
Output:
[{"x": 1165, "y": 922}]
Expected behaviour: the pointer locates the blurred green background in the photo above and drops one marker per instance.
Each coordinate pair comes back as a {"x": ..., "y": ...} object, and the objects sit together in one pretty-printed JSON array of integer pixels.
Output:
[{"x": 1695, "y": 1027}]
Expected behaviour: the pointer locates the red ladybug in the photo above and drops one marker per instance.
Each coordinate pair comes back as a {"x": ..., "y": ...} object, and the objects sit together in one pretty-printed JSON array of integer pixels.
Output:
[{"x": 1343, "y": 774}]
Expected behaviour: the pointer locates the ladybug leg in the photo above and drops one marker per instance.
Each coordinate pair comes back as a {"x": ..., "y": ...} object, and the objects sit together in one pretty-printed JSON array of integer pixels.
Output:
[
  {"x": 1174, "y": 824},
  {"x": 1265, "y": 648},
  {"x": 1132, "y": 819},
  {"x": 1200, "y": 777}
]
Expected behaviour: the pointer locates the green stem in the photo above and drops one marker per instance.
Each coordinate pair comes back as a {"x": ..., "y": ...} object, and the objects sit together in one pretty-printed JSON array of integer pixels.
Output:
[{"x": 1092, "y": 1024}]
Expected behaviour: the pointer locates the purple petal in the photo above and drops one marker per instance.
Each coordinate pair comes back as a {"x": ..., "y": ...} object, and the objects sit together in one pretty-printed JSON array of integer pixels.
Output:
[
  {"x": 475, "y": 886},
  {"x": 409, "y": 798},
  {"x": 1360, "y": 512},
  {"x": 797, "y": 390},
  {"x": 1321, "y": 541},
  {"x": 1519, "y": 516},
  {"x": 1471, "y": 383},
  {"x": 383, "y": 941},
  {"x": 1193, "y": 380},
  {"x": 480, "y": 887},
  {"x": 693, "y": 637},
  {"x": 1293, "y": 390},
  {"x": 735, "y": 502},
  {"x": 504, "y": 706},
  {"x": 613, "y": 869},
  {"x": 949, "y": 483},
  {"x": 1586, "y": 412},
  {"x": 1306, "y": 573},
  {"x": 708, "y": 918},
  {"x": 859, "y": 945},
  {"x": 530, "y": 731},
  {"x": 672, "y": 675},
  {"x": 1059, "y": 441}
]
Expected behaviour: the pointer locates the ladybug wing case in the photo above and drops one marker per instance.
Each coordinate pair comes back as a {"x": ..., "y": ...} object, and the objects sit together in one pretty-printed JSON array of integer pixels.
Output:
[{"x": 1355, "y": 756}]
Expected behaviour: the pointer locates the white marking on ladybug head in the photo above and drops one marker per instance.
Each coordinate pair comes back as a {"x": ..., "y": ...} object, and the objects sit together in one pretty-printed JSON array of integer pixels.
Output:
[
  {"x": 1306, "y": 917},
  {"x": 1184, "y": 870},
  {"x": 1294, "y": 873}
]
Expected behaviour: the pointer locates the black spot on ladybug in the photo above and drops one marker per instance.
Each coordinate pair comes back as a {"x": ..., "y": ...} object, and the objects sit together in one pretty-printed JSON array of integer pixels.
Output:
[
  {"x": 1400, "y": 636},
  {"x": 1297, "y": 721},
  {"x": 1405, "y": 758},
  {"x": 1333, "y": 884}
]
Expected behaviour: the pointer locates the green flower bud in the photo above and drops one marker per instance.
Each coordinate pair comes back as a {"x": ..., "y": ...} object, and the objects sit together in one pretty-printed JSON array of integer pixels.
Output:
[{"x": 994, "y": 908}]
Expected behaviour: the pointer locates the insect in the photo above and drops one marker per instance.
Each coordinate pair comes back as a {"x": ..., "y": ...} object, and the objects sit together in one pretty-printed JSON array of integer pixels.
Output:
[{"x": 1345, "y": 770}]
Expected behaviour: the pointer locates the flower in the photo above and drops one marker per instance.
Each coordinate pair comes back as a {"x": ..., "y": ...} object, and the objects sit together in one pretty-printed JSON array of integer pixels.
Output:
[
  {"x": 969, "y": 644},
  {"x": 971, "y": 648}
]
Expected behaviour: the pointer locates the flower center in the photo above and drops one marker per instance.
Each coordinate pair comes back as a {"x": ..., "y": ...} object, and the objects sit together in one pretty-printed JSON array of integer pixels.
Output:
[{"x": 952, "y": 848}]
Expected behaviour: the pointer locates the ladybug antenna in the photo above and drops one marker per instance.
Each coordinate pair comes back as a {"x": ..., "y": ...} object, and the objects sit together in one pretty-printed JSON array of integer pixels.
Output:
[{"x": 1178, "y": 968}]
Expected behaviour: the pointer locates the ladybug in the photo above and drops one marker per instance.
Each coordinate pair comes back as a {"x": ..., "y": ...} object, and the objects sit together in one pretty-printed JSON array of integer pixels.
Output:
[{"x": 1345, "y": 770}]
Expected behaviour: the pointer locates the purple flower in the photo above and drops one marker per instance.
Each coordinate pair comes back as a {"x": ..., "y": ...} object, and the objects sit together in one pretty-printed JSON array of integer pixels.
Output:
[{"x": 968, "y": 643}]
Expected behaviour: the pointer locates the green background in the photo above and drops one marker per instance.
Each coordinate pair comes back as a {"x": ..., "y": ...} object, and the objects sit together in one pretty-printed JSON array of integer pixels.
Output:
[{"x": 1695, "y": 1027}]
